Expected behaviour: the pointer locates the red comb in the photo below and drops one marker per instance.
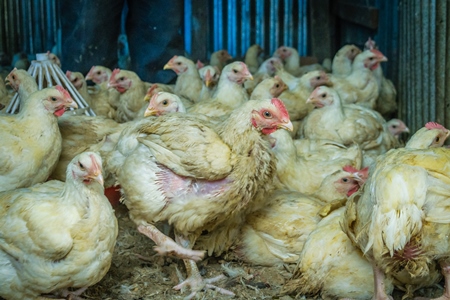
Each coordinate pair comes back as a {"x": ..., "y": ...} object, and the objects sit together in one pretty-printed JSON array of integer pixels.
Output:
[
  {"x": 114, "y": 74},
  {"x": 173, "y": 58},
  {"x": 63, "y": 91},
  {"x": 91, "y": 71},
  {"x": 434, "y": 125},
  {"x": 200, "y": 64},
  {"x": 280, "y": 105},
  {"x": 350, "y": 169}
]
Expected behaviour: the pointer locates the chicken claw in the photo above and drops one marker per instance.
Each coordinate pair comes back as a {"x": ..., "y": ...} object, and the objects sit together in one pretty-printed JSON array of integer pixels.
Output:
[
  {"x": 197, "y": 283},
  {"x": 167, "y": 246}
]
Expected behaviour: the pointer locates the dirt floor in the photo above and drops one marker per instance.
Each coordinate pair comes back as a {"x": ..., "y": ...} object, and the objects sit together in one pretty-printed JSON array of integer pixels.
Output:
[{"x": 137, "y": 273}]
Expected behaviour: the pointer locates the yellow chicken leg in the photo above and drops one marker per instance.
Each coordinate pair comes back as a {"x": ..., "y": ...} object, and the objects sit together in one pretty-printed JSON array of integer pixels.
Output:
[
  {"x": 194, "y": 280},
  {"x": 379, "y": 289},
  {"x": 166, "y": 246}
]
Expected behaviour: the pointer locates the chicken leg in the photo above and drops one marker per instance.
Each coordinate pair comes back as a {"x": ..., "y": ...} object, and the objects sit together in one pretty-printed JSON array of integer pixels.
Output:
[
  {"x": 166, "y": 246},
  {"x": 379, "y": 289},
  {"x": 194, "y": 280}
]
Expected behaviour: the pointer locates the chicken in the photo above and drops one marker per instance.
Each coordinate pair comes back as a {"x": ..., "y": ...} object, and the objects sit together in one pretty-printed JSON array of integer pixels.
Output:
[
  {"x": 361, "y": 86},
  {"x": 23, "y": 83},
  {"x": 399, "y": 219},
  {"x": 189, "y": 83},
  {"x": 210, "y": 78},
  {"x": 252, "y": 58},
  {"x": 343, "y": 60},
  {"x": 100, "y": 75},
  {"x": 306, "y": 174},
  {"x": 164, "y": 102},
  {"x": 276, "y": 233},
  {"x": 132, "y": 92},
  {"x": 57, "y": 235},
  {"x": 295, "y": 99},
  {"x": 230, "y": 93},
  {"x": 330, "y": 266},
  {"x": 269, "y": 88},
  {"x": 291, "y": 60},
  {"x": 193, "y": 177},
  {"x": 266, "y": 70},
  {"x": 386, "y": 103},
  {"x": 31, "y": 141},
  {"x": 220, "y": 59},
  {"x": 5, "y": 95},
  {"x": 99, "y": 105},
  {"x": 54, "y": 58},
  {"x": 346, "y": 123}
]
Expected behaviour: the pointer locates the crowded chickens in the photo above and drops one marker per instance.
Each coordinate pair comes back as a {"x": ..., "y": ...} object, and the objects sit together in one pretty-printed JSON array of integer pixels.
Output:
[{"x": 252, "y": 160}]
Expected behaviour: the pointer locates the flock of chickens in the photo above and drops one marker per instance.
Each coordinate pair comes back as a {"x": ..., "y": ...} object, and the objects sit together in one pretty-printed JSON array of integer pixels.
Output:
[{"x": 269, "y": 162}]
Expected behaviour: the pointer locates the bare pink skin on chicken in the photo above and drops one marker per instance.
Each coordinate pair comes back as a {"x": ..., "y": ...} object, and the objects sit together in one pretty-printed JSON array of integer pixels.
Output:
[
  {"x": 359, "y": 175},
  {"x": 120, "y": 83},
  {"x": 346, "y": 185}
]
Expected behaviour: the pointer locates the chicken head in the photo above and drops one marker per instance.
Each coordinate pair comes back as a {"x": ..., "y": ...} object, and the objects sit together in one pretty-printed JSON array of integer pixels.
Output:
[
  {"x": 397, "y": 127},
  {"x": 432, "y": 135},
  {"x": 369, "y": 59},
  {"x": 87, "y": 168},
  {"x": 119, "y": 81},
  {"x": 98, "y": 74},
  {"x": 322, "y": 96},
  {"x": 75, "y": 78},
  {"x": 270, "y": 118},
  {"x": 210, "y": 75},
  {"x": 58, "y": 100},
  {"x": 162, "y": 103},
  {"x": 317, "y": 78},
  {"x": 278, "y": 87},
  {"x": 283, "y": 52},
  {"x": 237, "y": 72}
]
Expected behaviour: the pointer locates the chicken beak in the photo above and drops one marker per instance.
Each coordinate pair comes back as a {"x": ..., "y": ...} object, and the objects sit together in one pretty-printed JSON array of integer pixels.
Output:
[
  {"x": 383, "y": 58},
  {"x": 167, "y": 66},
  {"x": 406, "y": 129},
  {"x": 97, "y": 177},
  {"x": 208, "y": 82},
  {"x": 288, "y": 126},
  {"x": 72, "y": 104},
  {"x": 147, "y": 97},
  {"x": 150, "y": 111}
]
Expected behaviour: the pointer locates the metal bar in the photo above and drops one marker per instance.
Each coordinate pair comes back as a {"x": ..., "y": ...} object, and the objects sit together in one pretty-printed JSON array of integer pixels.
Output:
[
  {"x": 231, "y": 22},
  {"x": 188, "y": 26},
  {"x": 441, "y": 33},
  {"x": 273, "y": 25},
  {"x": 424, "y": 60},
  {"x": 259, "y": 24},
  {"x": 245, "y": 26},
  {"x": 432, "y": 59},
  {"x": 287, "y": 30}
]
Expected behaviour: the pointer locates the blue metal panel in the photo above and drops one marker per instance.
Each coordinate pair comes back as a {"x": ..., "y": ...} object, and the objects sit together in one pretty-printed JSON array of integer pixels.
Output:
[
  {"x": 188, "y": 26},
  {"x": 288, "y": 23},
  {"x": 245, "y": 26}
]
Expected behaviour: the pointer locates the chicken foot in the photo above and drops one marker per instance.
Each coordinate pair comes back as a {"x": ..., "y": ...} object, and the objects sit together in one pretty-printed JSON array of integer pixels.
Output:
[
  {"x": 194, "y": 280},
  {"x": 197, "y": 283},
  {"x": 68, "y": 295},
  {"x": 166, "y": 246},
  {"x": 445, "y": 266},
  {"x": 379, "y": 289}
]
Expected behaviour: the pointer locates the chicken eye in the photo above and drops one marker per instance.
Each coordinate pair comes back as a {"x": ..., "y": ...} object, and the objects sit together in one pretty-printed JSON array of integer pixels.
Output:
[
  {"x": 122, "y": 78},
  {"x": 13, "y": 77},
  {"x": 394, "y": 126},
  {"x": 277, "y": 85},
  {"x": 344, "y": 179},
  {"x": 53, "y": 99},
  {"x": 235, "y": 71},
  {"x": 179, "y": 63},
  {"x": 371, "y": 58},
  {"x": 165, "y": 102},
  {"x": 437, "y": 139},
  {"x": 98, "y": 72},
  {"x": 318, "y": 77},
  {"x": 267, "y": 114},
  {"x": 81, "y": 166},
  {"x": 323, "y": 95}
]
